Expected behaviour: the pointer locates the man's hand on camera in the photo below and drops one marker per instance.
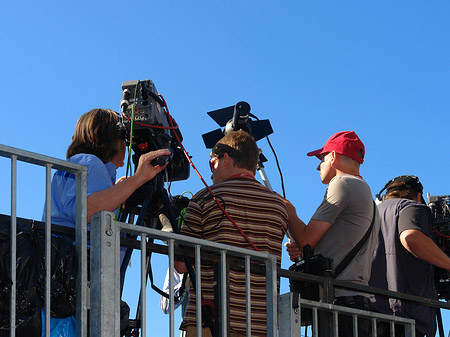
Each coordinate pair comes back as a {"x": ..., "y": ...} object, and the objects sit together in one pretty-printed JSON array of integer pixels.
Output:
[
  {"x": 145, "y": 170},
  {"x": 111, "y": 198}
]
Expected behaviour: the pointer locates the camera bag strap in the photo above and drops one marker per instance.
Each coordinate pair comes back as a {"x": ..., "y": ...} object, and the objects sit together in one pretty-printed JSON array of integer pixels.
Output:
[{"x": 344, "y": 263}]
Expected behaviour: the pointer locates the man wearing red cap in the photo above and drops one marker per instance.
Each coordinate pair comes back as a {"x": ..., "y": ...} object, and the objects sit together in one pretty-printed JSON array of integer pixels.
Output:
[{"x": 341, "y": 221}]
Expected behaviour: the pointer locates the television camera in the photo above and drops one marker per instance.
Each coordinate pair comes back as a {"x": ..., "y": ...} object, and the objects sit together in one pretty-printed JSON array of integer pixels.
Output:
[
  {"x": 149, "y": 126},
  {"x": 440, "y": 210}
]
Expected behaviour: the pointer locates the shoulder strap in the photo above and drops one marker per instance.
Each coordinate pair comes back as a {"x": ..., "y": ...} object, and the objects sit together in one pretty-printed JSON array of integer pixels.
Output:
[{"x": 341, "y": 266}]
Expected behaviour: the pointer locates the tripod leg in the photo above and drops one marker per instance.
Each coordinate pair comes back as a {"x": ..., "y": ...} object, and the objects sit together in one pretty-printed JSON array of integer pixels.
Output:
[
  {"x": 129, "y": 251},
  {"x": 123, "y": 267},
  {"x": 165, "y": 200},
  {"x": 127, "y": 256},
  {"x": 439, "y": 322},
  {"x": 136, "y": 330}
]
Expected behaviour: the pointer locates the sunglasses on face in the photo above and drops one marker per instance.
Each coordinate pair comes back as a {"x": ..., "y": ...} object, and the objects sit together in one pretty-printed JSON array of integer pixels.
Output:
[
  {"x": 323, "y": 156},
  {"x": 213, "y": 160}
]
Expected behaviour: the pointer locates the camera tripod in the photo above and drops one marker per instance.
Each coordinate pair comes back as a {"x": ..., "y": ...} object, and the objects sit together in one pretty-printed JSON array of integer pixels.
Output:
[{"x": 144, "y": 204}]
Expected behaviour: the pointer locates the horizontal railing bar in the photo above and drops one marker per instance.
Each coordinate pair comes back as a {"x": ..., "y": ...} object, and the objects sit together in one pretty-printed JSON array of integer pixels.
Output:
[
  {"x": 352, "y": 311},
  {"x": 41, "y": 160},
  {"x": 210, "y": 245},
  {"x": 135, "y": 244}
]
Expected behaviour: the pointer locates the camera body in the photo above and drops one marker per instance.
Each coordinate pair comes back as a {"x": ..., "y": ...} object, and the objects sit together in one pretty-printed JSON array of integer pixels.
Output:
[
  {"x": 150, "y": 128},
  {"x": 148, "y": 105},
  {"x": 440, "y": 210}
]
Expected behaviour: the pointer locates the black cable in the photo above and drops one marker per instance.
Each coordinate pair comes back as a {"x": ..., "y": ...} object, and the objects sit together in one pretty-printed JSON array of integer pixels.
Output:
[
  {"x": 278, "y": 166},
  {"x": 274, "y": 154}
]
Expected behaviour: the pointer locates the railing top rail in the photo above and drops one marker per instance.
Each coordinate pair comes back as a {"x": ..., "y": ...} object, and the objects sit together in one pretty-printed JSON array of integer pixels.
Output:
[
  {"x": 210, "y": 245},
  {"x": 362, "y": 288},
  {"x": 39, "y": 159}
]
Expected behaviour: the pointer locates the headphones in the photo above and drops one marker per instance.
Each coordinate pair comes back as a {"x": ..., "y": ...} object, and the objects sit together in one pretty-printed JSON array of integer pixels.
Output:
[
  {"x": 410, "y": 183},
  {"x": 124, "y": 135}
]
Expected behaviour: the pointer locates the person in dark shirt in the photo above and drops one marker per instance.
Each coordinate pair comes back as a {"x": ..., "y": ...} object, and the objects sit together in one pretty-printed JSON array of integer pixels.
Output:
[{"x": 405, "y": 255}]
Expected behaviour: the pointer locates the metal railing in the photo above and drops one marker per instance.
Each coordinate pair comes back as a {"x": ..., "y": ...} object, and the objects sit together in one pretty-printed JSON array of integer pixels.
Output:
[
  {"x": 80, "y": 173},
  {"x": 106, "y": 233},
  {"x": 290, "y": 318},
  {"x": 292, "y": 313},
  {"x": 105, "y": 294}
]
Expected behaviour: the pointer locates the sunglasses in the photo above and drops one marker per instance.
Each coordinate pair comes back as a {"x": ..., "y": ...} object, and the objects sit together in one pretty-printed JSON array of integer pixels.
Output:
[{"x": 212, "y": 162}]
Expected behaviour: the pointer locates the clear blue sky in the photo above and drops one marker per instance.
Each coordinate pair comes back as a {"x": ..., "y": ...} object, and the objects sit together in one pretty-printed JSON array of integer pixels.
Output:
[{"x": 311, "y": 67}]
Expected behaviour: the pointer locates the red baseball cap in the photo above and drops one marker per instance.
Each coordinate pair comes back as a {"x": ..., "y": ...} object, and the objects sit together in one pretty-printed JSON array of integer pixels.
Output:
[{"x": 346, "y": 143}]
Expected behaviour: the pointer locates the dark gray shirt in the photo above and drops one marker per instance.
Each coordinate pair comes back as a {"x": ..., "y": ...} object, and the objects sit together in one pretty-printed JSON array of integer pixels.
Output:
[{"x": 395, "y": 268}]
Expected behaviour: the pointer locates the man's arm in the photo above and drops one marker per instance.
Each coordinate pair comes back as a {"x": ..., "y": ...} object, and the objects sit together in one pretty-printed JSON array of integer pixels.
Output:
[
  {"x": 111, "y": 198},
  {"x": 296, "y": 226},
  {"x": 315, "y": 230},
  {"x": 303, "y": 234},
  {"x": 424, "y": 248}
]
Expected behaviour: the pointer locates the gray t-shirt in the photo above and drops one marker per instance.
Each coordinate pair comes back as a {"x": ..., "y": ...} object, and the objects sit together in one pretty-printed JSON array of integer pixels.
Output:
[{"x": 348, "y": 206}]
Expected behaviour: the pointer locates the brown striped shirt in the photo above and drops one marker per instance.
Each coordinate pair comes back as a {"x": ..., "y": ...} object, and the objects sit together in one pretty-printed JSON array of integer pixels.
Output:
[{"x": 261, "y": 215}]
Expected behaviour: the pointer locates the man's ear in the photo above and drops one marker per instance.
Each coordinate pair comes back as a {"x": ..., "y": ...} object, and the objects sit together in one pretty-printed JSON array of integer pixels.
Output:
[
  {"x": 418, "y": 197},
  {"x": 227, "y": 160},
  {"x": 333, "y": 156}
]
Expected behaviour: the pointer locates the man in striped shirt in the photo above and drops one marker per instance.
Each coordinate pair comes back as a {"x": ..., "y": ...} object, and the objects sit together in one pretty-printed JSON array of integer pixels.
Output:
[{"x": 261, "y": 219}]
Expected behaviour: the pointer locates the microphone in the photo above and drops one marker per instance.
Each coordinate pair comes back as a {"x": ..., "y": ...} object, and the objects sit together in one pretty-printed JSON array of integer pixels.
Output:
[{"x": 124, "y": 102}]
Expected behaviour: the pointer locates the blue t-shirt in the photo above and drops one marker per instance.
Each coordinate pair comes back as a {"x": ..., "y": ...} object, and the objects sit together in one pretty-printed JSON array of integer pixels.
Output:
[{"x": 100, "y": 176}]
